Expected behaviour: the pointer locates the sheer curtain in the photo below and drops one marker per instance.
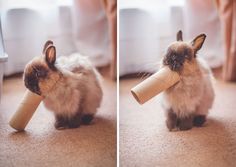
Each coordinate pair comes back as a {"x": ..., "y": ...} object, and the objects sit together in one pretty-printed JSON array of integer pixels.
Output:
[
  {"x": 200, "y": 16},
  {"x": 90, "y": 30},
  {"x": 227, "y": 14},
  {"x": 148, "y": 27},
  {"x": 28, "y": 24}
]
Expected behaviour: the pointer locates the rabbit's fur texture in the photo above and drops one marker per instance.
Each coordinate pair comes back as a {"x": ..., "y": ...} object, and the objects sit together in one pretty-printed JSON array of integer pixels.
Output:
[
  {"x": 187, "y": 102},
  {"x": 70, "y": 86}
]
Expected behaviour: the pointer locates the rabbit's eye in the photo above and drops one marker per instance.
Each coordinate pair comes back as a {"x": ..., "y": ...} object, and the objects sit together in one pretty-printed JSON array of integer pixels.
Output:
[
  {"x": 40, "y": 74},
  {"x": 37, "y": 74}
]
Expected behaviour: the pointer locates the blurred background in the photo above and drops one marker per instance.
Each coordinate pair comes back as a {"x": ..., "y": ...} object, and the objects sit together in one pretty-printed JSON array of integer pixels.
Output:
[
  {"x": 148, "y": 27},
  {"x": 74, "y": 26}
]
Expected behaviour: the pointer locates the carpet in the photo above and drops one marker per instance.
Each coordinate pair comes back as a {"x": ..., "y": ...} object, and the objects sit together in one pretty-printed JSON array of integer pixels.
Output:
[
  {"x": 146, "y": 142},
  {"x": 41, "y": 145}
]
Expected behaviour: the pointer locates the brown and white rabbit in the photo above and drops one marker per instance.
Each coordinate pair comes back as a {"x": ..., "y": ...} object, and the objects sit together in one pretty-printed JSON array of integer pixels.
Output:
[
  {"x": 70, "y": 86},
  {"x": 187, "y": 103}
]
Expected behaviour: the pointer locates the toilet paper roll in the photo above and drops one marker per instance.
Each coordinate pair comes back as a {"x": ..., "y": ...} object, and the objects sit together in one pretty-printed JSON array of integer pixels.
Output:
[
  {"x": 25, "y": 110},
  {"x": 155, "y": 84}
]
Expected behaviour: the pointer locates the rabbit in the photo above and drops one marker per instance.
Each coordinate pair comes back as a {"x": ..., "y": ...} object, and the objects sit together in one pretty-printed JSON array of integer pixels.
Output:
[
  {"x": 187, "y": 102},
  {"x": 71, "y": 86}
]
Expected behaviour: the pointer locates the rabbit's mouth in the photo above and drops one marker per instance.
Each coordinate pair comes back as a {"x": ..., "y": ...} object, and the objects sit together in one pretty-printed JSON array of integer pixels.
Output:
[
  {"x": 34, "y": 90},
  {"x": 176, "y": 66},
  {"x": 174, "y": 62}
]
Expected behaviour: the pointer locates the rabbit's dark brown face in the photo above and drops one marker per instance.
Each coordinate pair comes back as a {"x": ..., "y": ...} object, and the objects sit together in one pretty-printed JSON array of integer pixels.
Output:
[
  {"x": 179, "y": 52},
  {"x": 34, "y": 73},
  {"x": 40, "y": 74}
]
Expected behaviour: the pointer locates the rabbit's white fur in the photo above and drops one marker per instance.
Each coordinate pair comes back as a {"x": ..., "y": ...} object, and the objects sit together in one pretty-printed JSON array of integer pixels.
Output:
[
  {"x": 194, "y": 94},
  {"x": 78, "y": 88},
  {"x": 70, "y": 86}
]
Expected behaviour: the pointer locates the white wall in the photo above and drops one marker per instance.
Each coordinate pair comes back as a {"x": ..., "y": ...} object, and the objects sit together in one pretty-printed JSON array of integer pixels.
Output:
[
  {"x": 28, "y": 24},
  {"x": 148, "y": 27}
]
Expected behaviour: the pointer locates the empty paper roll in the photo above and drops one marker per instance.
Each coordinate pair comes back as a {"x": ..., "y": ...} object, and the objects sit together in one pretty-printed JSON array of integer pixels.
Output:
[
  {"x": 25, "y": 110},
  {"x": 156, "y": 83}
]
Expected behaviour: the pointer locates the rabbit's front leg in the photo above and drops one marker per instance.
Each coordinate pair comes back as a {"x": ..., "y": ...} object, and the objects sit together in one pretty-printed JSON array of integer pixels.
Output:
[
  {"x": 61, "y": 122},
  {"x": 171, "y": 120},
  {"x": 64, "y": 122},
  {"x": 199, "y": 120},
  {"x": 185, "y": 123},
  {"x": 87, "y": 118},
  {"x": 74, "y": 121}
]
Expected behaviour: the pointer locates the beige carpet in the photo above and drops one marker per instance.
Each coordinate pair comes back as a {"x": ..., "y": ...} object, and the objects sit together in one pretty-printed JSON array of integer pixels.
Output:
[
  {"x": 43, "y": 146},
  {"x": 146, "y": 142}
]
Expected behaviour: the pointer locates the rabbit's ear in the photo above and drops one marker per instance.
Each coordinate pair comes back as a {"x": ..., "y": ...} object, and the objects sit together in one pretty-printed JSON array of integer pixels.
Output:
[
  {"x": 49, "y": 42},
  {"x": 179, "y": 36},
  {"x": 198, "y": 42},
  {"x": 50, "y": 55}
]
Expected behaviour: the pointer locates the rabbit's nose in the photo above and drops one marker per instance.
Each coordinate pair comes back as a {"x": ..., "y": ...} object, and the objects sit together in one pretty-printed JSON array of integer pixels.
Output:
[
  {"x": 174, "y": 57},
  {"x": 176, "y": 66}
]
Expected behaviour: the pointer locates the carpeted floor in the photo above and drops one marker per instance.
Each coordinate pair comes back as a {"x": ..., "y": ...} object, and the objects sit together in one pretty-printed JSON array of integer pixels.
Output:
[
  {"x": 43, "y": 146},
  {"x": 146, "y": 142}
]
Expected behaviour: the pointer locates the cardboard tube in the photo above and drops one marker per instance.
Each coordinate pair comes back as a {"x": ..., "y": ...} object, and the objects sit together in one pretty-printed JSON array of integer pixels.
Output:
[
  {"x": 25, "y": 110},
  {"x": 158, "y": 82}
]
